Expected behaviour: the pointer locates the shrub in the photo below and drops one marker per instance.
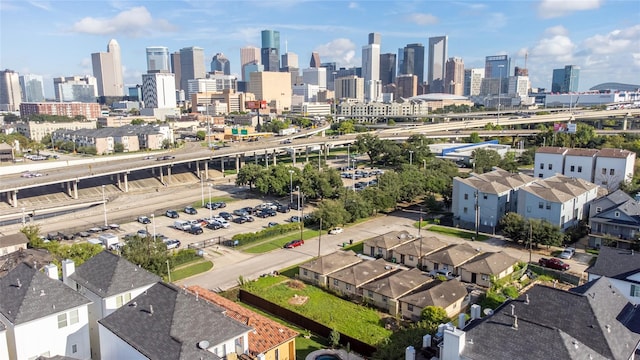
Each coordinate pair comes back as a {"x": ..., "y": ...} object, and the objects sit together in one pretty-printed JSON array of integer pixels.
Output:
[
  {"x": 183, "y": 257},
  {"x": 511, "y": 291},
  {"x": 248, "y": 238}
]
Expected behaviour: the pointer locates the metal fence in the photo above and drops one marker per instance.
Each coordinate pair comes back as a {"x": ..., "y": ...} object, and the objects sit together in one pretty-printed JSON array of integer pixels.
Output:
[
  {"x": 562, "y": 276},
  {"x": 304, "y": 322}
]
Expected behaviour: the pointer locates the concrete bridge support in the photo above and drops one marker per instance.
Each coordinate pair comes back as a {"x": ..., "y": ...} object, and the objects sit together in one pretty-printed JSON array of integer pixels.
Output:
[
  {"x": 126, "y": 182},
  {"x": 222, "y": 164},
  {"x": 198, "y": 173},
  {"x": 161, "y": 175},
  {"x": 306, "y": 154},
  {"x": 75, "y": 189},
  {"x": 12, "y": 197},
  {"x": 293, "y": 156},
  {"x": 237, "y": 164},
  {"x": 255, "y": 157},
  {"x": 275, "y": 155},
  {"x": 206, "y": 170},
  {"x": 169, "y": 174}
]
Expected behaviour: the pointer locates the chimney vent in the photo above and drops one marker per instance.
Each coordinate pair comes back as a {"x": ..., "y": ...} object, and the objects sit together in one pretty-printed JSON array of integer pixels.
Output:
[
  {"x": 608, "y": 328},
  {"x": 526, "y": 299},
  {"x": 513, "y": 309},
  {"x": 150, "y": 309},
  {"x": 18, "y": 283},
  {"x": 42, "y": 293},
  {"x": 515, "y": 322}
]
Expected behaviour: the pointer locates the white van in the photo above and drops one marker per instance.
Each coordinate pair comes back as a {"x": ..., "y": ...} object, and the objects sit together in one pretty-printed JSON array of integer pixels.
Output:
[
  {"x": 182, "y": 225},
  {"x": 108, "y": 240}
]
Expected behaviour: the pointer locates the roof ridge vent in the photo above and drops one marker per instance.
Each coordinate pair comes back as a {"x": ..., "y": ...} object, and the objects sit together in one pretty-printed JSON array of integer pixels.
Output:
[
  {"x": 18, "y": 283},
  {"x": 42, "y": 292},
  {"x": 608, "y": 327},
  {"x": 526, "y": 299},
  {"x": 150, "y": 309},
  {"x": 513, "y": 309}
]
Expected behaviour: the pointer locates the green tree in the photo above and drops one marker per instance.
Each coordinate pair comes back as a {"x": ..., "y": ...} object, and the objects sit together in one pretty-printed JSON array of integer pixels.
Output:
[
  {"x": 201, "y": 135},
  {"x": 33, "y": 234},
  {"x": 150, "y": 254},
  {"x": 118, "y": 147},
  {"x": 432, "y": 316},
  {"x": 46, "y": 140},
  {"x": 134, "y": 112},
  {"x": 332, "y": 213},
  {"x": 249, "y": 174},
  {"x": 485, "y": 160},
  {"x": 545, "y": 233},
  {"x": 368, "y": 144},
  {"x": 475, "y": 138},
  {"x": 514, "y": 227},
  {"x": 137, "y": 121},
  {"x": 508, "y": 162},
  {"x": 346, "y": 127},
  {"x": 527, "y": 157}
]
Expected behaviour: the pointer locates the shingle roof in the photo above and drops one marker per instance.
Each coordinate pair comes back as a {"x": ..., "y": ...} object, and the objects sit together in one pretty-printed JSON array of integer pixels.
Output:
[
  {"x": 551, "y": 150},
  {"x": 559, "y": 188},
  {"x": 598, "y": 324},
  {"x": 329, "y": 263},
  {"x": 166, "y": 323},
  {"x": 455, "y": 255},
  {"x": 399, "y": 283},
  {"x": 491, "y": 263},
  {"x": 27, "y": 294},
  {"x": 268, "y": 334},
  {"x": 364, "y": 272},
  {"x": 13, "y": 239},
  {"x": 390, "y": 239},
  {"x": 497, "y": 181},
  {"x": 615, "y": 263},
  {"x": 582, "y": 152},
  {"x": 107, "y": 274},
  {"x": 420, "y": 246},
  {"x": 614, "y": 153},
  {"x": 442, "y": 294}
]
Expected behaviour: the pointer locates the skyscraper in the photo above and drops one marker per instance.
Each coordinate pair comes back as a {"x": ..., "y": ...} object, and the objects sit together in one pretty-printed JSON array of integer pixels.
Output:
[
  {"x": 158, "y": 59},
  {"x": 270, "y": 51},
  {"x": 175, "y": 68},
  {"x": 107, "y": 68},
  {"x": 219, "y": 62},
  {"x": 75, "y": 88},
  {"x": 315, "y": 76},
  {"x": 454, "y": 76},
  {"x": 437, "y": 61},
  {"x": 315, "y": 60},
  {"x": 400, "y": 61},
  {"x": 387, "y": 68},
  {"x": 497, "y": 66},
  {"x": 248, "y": 55},
  {"x": 371, "y": 67},
  {"x": 350, "y": 87},
  {"x": 158, "y": 90},
  {"x": 32, "y": 87},
  {"x": 473, "y": 81},
  {"x": 406, "y": 86},
  {"x": 10, "y": 92},
  {"x": 413, "y": 61},
  {"x": 191, "y": 66},
  {"x": 565, "y": 80},
  {"x": 331, "y": 74}
]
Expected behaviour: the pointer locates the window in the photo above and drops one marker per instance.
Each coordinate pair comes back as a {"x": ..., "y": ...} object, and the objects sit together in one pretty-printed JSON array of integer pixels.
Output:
[
  {"x": 540, "y": 176},
  {"x": 540, "y": 205},
  {"x": 541, "y": 166},
  {"x": 617, "y": 214},
  {"x": 572, "y": 168},
  {"x": 304, "y": 272},
  {"x": 347, "y": 286},
  {"x": 73, "y": 317},
  {"x": 548, "y": 206},
  {"x": 466, "y": 196},
  {"x": 370, "y": 294},
  {"x": 315, "y": 276},
  {"x": 277, "y": 354},
  {"x": 579, "y": 169},
  {"x": 410, "y": 257},
  {"x": 635, "y": 291},
  {"x": 335, "y": 282},
  {"x": 384, "y": 299},
  {"x": 598, "y": 210},
  {"x": 612, "y": 171},
  {"x": 528, "y": 209},
  {"x": 550, "y": 166},
  {"x": 74, "y": 348},
  {"x": 604, "y": 171},
  {"x": 62, "y": 320},
  {"x": 484, "y": 196},
  {"x": 409, "y": 307},
  {"x": 465, "y": 210},
  {"x": 122, "y": 299},
  {"x": 485, "y": 277},
  {"x": 380, "y": 250}
]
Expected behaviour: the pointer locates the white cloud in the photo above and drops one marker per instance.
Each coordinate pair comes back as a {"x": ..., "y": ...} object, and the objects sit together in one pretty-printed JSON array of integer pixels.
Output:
[
  {"x": 134, "y": 22},
  {"x": 555, "y": 8},
  {"x": 556, "y": 30},
  {"x": 353, "y": 5},
  {"x": 615, "y": 42},
  {"x": 558, "y": 48},
  {"x": 422, "y": 19},
  {"x": 340, "y": 50},
  {"x": 43, "y": 5},
  {"x": 496, "y": 21}
]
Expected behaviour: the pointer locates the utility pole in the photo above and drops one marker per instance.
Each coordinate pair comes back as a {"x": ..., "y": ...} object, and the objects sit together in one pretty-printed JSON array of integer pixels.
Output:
[
  {"x": 477, "y": 206},
  {"x": 320, "y": 237}
]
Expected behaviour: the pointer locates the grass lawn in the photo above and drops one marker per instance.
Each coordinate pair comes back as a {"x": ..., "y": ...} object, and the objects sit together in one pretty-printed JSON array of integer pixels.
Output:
[
  {"x": 278, "y": 242},
  {"x": 356, "y": 247},
  {"x": 191, "y": 269},
  {"x": 464, "y": 234},
  {"x": 226, "y": 199},
  {"x": 354, "y": 320}
]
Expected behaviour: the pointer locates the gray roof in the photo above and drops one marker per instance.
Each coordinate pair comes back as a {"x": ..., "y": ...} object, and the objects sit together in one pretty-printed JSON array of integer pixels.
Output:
[
  {"x": 166, "y": 322},
  {"x": 27, "y": 294},
  {"x": 596, "y": 323},
  {"x": 498, "y": 181},
  {"x": 13, "y": 239},
  {"x": 559, "y": 188},
  {"x": 389, "y": 240},
  {"x": 107, "y": 274},
  {"x": 399, "y": 283},
  {"x": 126, "y": 130},
  {"x": 455, "y": 255},
  {"x": 420, "y": 246},
  {"x": 364, "y": 272},
  {"x": 57, "y": 357},
  {"x": 615, "y": 263},
  {"x": 333, "y": 262},
  {"x": 491, "y": 263},
  {"x": 442, "y": 294}
]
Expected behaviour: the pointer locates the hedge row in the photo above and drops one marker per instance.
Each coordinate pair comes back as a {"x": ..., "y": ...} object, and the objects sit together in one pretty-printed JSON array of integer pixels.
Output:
[
  {"x": 183, "y": 256},
  {"x": 248, "y": 238}
]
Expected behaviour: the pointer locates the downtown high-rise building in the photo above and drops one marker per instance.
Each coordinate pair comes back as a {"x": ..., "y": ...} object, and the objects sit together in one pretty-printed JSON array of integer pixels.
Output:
[
  {"x": 219, "y": 62},
  {"x": 315, "y": 76},
  {"x": 270, "y": 50},
  {"x": 158, "y": 59},
  {"x": 175, "y": 68},
  {"x": 331, "y": 74},
  {"x": 406, "y": 86},
  {"x": 75, "y": 89},
  {"x": 191, "y": 66},
  {"x": 497, "y": 66},
  {"x": 454, "y": 76},
  {"x": 413, "y": 61},
  {"x": 387, "y": 68},
  {"x": 473, "y": 81},
  {"x": 437, "y": 63},
  {"x": 107, "y": 68},
  {"x": 315, "y": 60},
  {"x": 32, "y": 87},
  {"x": 565, "y": 80},
  {"x": 159, "y": 91},
  {"x": 248, "y": 55},
  {"x": 10, "y": 91},
  {"x": 350, "y": 87},
  {"x": 371, "y": 68}
]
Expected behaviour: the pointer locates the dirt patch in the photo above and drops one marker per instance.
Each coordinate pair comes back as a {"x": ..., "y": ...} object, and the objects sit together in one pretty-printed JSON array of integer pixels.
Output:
[
  {"x": 296, "y": 284},
  {"x": 298, "y": 300}
]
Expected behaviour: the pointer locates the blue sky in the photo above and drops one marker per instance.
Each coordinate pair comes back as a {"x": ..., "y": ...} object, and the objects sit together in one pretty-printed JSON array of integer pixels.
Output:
[{"x": 56, "y": 38}]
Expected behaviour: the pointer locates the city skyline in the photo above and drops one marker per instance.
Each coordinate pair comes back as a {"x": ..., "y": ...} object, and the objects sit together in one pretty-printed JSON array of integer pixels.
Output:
[{"x": 553, "y": 33}]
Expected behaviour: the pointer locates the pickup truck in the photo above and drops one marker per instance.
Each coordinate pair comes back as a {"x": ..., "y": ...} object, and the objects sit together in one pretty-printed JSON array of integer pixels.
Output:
[{"x": 553, "y": 263}]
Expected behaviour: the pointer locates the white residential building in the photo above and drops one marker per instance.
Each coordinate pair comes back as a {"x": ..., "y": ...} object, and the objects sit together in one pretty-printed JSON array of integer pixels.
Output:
[
  {"x": 622, "y": 268},
  {"x": 42, "y": 316},
  {"x": 549, "y": 161},
  {"x": 110, "y": 282},
  {"x": 578, "y": 163},
  {"x": 159, "y": 90},
  {"x": 213, "y": 83},
  {"x": 613, "y": 166},
  {"x": 495, "y": 194},
  {"x": 4, "y": 349},
  {"x": 560, "y": 200},
  {"x": 166, "y": 322}
]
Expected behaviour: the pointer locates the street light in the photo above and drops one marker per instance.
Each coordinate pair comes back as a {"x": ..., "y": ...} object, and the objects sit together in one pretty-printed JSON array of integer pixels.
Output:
[
  {"x": 24, "y": 221},
  {"x": 499, "y": 92},
  {"x": 210, "y": 205},
  {"x": 153, "y": 221},
  {"x": 290, "y": 186},
  {"x": 410, "y": 157},
  {"x": 202, "y": 188},
  {"x": 104, "y": 206}
]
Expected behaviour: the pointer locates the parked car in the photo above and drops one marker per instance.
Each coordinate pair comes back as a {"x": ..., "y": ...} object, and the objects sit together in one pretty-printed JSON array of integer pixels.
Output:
[
  {"x": 225, "y": 215},
  {"x": 142, "y": 233},
  {"x": 294, "y": 243},
  {"x": 240, "y": 220},
  {"x": 294, "y": 219},
  {"x": 240, "y": 212},
  {"x": 195, "y": 230},
  {"x": 261, "y": 214},
  {"x": 249, "y": 210},
  {"x": 567, "y": 253},
  {"x": 172, "y": 244},
  {"x": 211, "y": 205},
  {"x": 336, "y": 231},
  {"x": 190, "y": 210},
  {"x": 249, "y": 218},
  {"x": 220, "y": 204},
  {"x": 441, "y": 272},
  {"x": 214, "y": 225},
  {"x": 144, "y": 220},
  {"x": 283, "y": 208},
  {"x": 553, "y": 263},
  {"x": 272, "y": 224},
  {"x": 172, "y": 214}
]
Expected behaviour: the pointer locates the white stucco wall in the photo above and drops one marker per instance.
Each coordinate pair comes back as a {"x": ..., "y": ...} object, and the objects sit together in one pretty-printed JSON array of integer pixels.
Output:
[
  {"x": 114, "y": 348},
  {"x": 544, "y": 160},
  {"x": 582, "y": 167},
  {"x": 4, "y": 350}
]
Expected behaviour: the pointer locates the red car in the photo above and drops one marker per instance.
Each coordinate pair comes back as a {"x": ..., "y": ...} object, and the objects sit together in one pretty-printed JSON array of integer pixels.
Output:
[
  {"x": 294, "y": 243},
  {"x": 553, "y": 263}
]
